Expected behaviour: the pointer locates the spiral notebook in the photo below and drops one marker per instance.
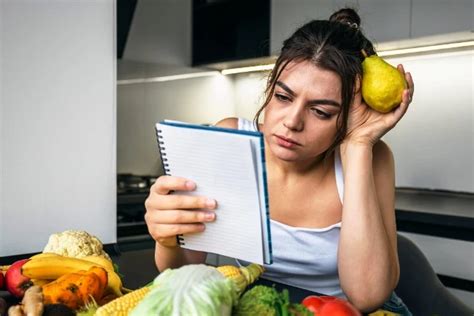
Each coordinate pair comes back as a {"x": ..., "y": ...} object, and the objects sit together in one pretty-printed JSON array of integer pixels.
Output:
[{"x": 229, "y": 166}]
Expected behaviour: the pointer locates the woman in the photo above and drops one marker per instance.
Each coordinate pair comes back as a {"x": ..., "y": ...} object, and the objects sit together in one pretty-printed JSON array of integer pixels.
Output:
[{"x": 330, "y": 177}]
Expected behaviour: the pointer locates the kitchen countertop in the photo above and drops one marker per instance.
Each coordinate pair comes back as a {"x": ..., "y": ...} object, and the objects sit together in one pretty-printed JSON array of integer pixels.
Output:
[
  {"x": 436, "y": 202},
  {"x": 429, "y": 212},
  {"x": 435, "y": 213}
]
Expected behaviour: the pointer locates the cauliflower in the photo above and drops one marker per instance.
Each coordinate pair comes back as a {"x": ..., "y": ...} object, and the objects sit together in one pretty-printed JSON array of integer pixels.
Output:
[{"x": 75, "y": 243}]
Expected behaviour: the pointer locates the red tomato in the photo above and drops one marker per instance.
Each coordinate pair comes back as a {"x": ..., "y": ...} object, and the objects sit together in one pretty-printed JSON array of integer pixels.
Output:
[
  {"x": 313, "y": 303},
  {"x": 338, "y": 307},
  {"x": 329, "y": 306}
]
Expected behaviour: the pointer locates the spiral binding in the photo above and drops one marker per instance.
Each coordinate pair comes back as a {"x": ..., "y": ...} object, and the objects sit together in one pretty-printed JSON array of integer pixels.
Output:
[
  {"x": 180, "y": 240},
  {"x": 166, "y": 167},
  {"x": 161, "y": 145}
]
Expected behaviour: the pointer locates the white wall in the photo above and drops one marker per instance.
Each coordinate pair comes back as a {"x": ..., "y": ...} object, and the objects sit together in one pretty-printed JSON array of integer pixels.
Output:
[
  {"x": 1, "y": 121},
  {"x": 433, "y": 144},
  {"x": 57, "y": 136},
  {"x": 203, "y": 101},
  {"x": 249, "y": 93}
]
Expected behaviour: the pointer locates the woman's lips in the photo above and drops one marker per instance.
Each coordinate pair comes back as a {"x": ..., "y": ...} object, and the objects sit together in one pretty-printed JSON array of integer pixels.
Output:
[{"x": 286, "y": 142}]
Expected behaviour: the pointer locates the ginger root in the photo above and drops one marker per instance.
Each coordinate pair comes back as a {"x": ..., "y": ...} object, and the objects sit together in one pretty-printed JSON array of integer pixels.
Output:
[
  {"x": 33, "y": 301},
  {"x": 31, "y": 305}
]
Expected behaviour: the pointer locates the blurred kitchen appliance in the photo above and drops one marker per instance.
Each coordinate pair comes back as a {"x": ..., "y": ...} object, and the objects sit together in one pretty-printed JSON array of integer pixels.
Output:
[{"x": 132, "y": 191}]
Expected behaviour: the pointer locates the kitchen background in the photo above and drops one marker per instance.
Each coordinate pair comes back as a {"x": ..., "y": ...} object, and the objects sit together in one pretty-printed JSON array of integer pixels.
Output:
[{"x": 77, "y": 142}]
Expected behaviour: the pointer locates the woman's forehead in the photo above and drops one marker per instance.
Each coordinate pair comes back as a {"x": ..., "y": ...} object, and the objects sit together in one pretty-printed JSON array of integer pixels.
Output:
[{"x": 306, "y": 75}]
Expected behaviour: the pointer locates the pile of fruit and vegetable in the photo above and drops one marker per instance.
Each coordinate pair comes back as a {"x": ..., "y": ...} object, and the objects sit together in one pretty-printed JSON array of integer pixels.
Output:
[{"x": 74, "y": 276}]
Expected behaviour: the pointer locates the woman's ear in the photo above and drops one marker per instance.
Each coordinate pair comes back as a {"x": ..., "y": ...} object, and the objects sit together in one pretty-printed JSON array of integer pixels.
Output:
[{"x": 358, "y": 84}]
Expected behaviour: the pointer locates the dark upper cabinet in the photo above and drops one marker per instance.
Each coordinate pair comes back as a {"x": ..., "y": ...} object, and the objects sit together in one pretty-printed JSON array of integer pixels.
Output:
[
  {"x": 125, "y": 11},
  {"x": 229, "y": 30}
]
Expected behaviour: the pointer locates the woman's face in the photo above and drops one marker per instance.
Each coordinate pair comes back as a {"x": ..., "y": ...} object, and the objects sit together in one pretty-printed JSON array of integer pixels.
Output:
[{"x": 300, "y": 119}]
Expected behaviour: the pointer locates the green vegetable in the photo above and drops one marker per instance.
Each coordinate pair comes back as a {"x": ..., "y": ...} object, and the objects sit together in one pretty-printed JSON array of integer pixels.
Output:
[
  {"x": 190, "y": 290},
  {"x": 300, "y": 310},
  {"x": 267, "y": 301}
]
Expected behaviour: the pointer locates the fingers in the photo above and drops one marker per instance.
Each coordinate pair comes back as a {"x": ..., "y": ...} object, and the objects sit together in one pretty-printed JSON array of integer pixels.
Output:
[
  {"x": 185, "y": 202},
  {"x": 166, "y": 234},
  {"x": 406, "y": 99},
  {"x": 400, "y": 110},
  {"x": 163, "y": 226},
  {"x": 410, "y": 84},
  {"x": 408, "y": 78},
  {"x": 168, "y": 215},
  {"x": 180, "y": 217},
  {"x": 165, "y": 184}
]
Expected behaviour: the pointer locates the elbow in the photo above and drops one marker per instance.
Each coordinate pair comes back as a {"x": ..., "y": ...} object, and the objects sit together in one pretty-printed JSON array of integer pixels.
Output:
[
  {"x": 367, "y": 302},
  {"x": 370, "y": 298}
]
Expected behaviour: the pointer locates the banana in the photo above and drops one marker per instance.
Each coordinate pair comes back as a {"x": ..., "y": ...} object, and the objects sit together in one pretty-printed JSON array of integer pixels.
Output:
[
  {"x": 41, "y": 282},
  {"x": 44, "y": 255},
  {"x": 101, "y": 261},
  {"x": 114, "y": 281},
  {"x": 53, "y": 267}
]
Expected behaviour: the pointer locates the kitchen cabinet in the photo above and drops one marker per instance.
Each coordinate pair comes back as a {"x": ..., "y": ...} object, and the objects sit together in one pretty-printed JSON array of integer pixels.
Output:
[
  {"x": 287, "y": 16},
  {"x": 382, "y": 20},
  {"x": 431, "y": 17},
  {"x": 229, "y": 30},
  {"x": 385, "y": 20}
]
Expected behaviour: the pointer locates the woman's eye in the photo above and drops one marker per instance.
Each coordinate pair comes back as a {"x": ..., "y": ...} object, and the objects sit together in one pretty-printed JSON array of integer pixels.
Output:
[
  {"x": 282, "y": 97},
  {"x": 321, "y": 114}
]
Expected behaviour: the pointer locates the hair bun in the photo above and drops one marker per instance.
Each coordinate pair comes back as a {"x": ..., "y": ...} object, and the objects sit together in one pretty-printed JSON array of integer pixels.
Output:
[{"x": 346, "y": 16}]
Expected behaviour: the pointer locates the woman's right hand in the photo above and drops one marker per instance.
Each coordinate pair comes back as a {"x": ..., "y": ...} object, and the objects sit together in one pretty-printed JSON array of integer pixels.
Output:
[{"x": 168, "y": 215}]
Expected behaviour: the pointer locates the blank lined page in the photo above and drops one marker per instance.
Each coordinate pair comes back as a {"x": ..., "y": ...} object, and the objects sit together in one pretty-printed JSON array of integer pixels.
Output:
[{"x": 223, "y": 168}]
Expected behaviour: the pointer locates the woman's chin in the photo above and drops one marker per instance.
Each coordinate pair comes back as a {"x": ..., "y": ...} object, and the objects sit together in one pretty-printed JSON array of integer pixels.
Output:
[{"x": 285, "y": 154}]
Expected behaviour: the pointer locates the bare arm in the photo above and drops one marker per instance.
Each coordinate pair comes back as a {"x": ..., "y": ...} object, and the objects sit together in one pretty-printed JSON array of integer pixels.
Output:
[
  {"x": 166, "y": 257},
  {"x": 367, "y": 256},
  {"x": 368, "y": 260}
]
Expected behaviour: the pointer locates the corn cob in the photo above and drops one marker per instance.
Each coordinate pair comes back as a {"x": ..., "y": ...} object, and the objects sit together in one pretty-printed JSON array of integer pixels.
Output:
[
  {"x": 123, "y": 305},
  {"x": 242, "y": 276}
]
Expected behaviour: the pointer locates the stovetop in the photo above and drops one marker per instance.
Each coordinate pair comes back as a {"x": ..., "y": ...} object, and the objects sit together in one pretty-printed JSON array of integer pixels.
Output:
[
  {"x": 132, "y": 191},
  {"x": 130, "y": 183}
]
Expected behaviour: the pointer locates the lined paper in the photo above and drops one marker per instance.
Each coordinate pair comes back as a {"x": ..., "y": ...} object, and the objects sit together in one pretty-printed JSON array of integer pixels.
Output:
[{"x": 226, "y": 167}]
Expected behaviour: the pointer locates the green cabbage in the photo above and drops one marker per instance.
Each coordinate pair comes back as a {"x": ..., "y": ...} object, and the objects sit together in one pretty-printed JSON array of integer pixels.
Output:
[{"x": 190, "y": 290}]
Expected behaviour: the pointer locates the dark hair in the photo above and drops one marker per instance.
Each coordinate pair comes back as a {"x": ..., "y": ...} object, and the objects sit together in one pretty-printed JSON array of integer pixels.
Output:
[{"x": 335, "y": 45}]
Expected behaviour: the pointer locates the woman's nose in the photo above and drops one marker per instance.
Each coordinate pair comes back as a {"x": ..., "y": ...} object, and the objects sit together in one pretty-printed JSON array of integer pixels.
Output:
[{"x": 294, "y": 120}]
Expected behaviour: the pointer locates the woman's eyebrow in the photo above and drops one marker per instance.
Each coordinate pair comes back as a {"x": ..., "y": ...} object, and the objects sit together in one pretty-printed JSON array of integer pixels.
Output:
[
  {"x": 324, "y": 101},
  {"x": 311, "y": 102},
  {"x": 285, "y": 87}
]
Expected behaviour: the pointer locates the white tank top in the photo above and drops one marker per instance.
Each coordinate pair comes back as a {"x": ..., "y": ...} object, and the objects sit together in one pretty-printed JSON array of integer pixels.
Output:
[{"x": 305, "y": 257}]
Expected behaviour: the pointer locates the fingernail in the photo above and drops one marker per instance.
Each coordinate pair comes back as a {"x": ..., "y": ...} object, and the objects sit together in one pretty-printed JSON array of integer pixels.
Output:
[
  {"x": 190, "y": 185},
  {"x": 209, "y": 216},
  {"x": 210, "y": 203}
]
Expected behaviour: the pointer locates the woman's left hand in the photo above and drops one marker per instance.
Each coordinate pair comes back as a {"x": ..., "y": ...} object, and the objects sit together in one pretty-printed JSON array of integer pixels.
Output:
[{"x": 366, "y": 125}]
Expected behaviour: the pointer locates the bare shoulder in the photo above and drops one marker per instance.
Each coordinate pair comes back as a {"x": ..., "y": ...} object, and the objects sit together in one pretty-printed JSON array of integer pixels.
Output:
[
  {"x": 382, "y": 157},
  {"x": 382, "y": 149},
  {"x": 229, "y": 122}
]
